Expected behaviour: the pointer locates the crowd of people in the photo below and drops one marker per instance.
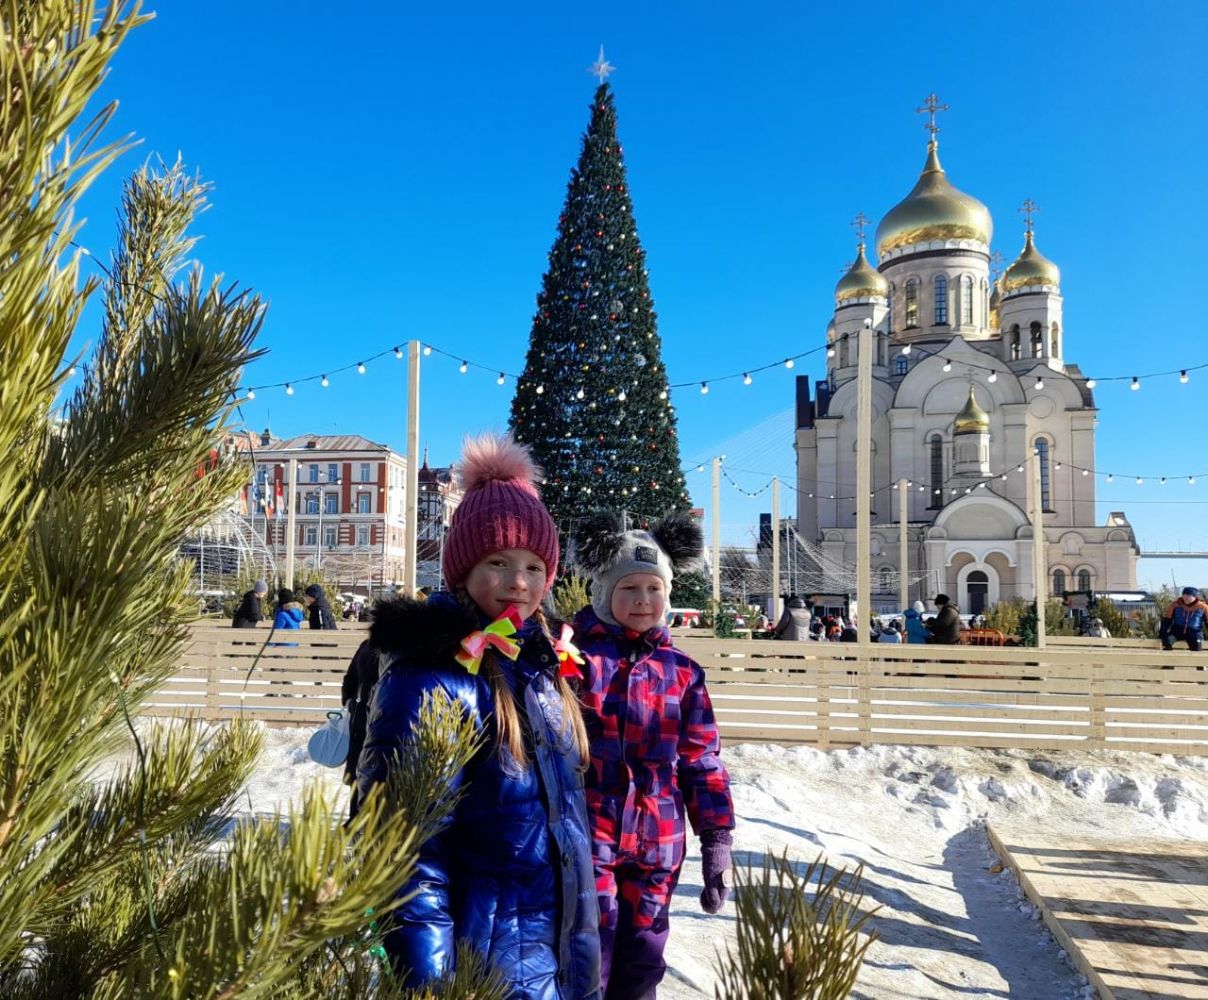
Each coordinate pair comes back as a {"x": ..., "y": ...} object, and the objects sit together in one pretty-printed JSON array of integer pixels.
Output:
[{"x": 802, "y": 622}]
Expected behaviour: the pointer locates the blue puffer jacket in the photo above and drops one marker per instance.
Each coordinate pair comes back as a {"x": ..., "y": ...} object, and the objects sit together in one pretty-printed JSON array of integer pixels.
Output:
[{"x": 511, "y": 871}]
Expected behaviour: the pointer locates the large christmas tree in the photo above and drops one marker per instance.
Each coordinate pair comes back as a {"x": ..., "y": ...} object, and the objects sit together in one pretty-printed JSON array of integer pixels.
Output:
[{"x": 593, "y": 402}]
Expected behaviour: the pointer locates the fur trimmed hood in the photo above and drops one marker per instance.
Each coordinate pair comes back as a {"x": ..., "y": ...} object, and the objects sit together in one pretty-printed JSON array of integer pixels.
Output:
[{"x": 428, "y": 632}]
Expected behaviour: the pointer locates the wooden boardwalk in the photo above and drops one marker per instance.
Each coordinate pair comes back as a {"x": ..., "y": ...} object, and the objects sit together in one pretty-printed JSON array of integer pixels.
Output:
[{"x": 1133, "y": 916}]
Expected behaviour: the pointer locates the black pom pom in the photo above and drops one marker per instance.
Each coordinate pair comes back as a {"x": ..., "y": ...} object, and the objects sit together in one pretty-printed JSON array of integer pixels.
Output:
[
  {"x": 679, "y": 535},
  {"x": 596, "y": 542}
]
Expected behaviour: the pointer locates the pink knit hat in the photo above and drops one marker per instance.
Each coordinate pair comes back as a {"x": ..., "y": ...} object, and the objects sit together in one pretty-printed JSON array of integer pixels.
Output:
[{"x": 499, "y": 510}]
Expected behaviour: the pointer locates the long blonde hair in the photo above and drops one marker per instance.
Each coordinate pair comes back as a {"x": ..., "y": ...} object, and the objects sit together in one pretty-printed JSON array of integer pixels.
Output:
[{"x": 509, "y": 730}]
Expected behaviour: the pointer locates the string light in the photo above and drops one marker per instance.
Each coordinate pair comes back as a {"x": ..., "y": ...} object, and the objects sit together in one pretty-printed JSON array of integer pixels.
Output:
[
  {"x": 830, "y": 352},
  {"x": 1183, "y": 376},
  {"x": 1110, "y": 478},
  {"x": 427, "y": 350},
  {"x": 251, "y": 394},
  {"x": 1039, "y": 382},
  {"x": 992, "y": 377},
  {"x": 540, "y": 390},
  {"x": 464, "y": 367},
  {"x": 1191, "y": 480},
  {"x": 1139, "y": 480},
  {"x": 323, "y": 382},
  {"x": 947, "y": 365},
  {"x": 704, "y": 388},
  {"x": 788, "y": 362},
  {"x": 289, "y": 389},
  {"x": 746, "y": 379},
  {"x": 579, "y": 394},
  {"x": 1136, "y": 384},
  {"x": 1162, "y": 481},
  {"x": 360, "y": 367},
  {"x": 907, "y": 349},
  {"x": 502, "y": 378},
  {"x": 621, "y": 397},
  {"x": 1091, "y": 383},
  {"x": 398, "y": 353}
]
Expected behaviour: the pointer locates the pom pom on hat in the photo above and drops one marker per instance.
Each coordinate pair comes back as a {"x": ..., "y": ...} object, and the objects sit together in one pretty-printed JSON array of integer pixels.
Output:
[{"x": 500, "y": 508}]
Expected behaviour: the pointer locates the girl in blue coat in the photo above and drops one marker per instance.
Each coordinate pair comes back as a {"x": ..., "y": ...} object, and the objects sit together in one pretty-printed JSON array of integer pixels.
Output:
[
  {"x": 511, "y": 871},
  {"x": 289, "y": 612}
]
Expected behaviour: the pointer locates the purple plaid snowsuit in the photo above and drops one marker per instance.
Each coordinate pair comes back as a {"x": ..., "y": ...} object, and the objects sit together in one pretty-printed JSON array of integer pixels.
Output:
[{"x": 654, "y": 754}]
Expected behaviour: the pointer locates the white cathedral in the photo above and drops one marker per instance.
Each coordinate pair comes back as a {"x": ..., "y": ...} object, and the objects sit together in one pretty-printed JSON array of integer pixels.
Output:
[{"x": 969, "y": 376}]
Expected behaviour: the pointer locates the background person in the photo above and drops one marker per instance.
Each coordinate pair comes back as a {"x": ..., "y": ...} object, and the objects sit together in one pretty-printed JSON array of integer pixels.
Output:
[
  {"x": 945, "y": 627},
  {"x": 1184, "y": 621},
  {"x": 250, "y": 612}
]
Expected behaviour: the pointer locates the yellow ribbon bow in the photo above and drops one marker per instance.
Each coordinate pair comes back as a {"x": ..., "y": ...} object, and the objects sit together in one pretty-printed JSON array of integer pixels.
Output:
[
  {"x": 568, "y": 653},
  {"x": 497, "y": 636}
]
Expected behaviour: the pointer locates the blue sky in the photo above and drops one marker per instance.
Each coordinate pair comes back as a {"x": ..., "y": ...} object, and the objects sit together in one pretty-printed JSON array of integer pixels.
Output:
[{"x": 390, "y": 171}]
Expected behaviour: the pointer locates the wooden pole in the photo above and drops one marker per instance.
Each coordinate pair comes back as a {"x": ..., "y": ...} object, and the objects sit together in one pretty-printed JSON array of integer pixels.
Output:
[
  {"x": 291, "y": 531},
  {"x": 411, "y": 487},
  {"x": 903, "y": 547},
  {"x": 716, "y": 534},
  {"x": 864, "y": 482},
  {"x": 1039, "y": 573},
  {"x": 775, "y": 615}
]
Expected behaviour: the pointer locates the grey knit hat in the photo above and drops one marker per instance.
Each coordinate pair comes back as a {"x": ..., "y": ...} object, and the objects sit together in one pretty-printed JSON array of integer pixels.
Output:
[{"x": 606, "y": 554}]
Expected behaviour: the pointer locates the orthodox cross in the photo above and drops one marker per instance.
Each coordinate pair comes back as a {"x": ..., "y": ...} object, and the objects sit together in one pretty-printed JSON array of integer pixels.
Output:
[
  {"x": 1028, "y": 210},
  {"x": 996, "y": 262},
  {"x": 858, "y": 224},
  {"x": 930, "y": 106},
  {"x": 601, "y": 67}
]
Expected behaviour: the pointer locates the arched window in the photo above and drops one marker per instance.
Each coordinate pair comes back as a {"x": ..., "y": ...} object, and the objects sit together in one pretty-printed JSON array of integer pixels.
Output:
[
  {"x": 885, "y": 575},
  {"x": 1042, "y": 453},
  {"x": 899, "y": 365},
  {"x": 843, "y": 353},
  {"x": 937, "y": 471},
  {"x": 912, "y": 303},
  {"x": 1037, "y": 339},
  {"x": 1015, "y": 342},
  {"x": 1053, "y": 351},
  {"x": 1084, "y": 579},
  {"x": 1058, "y": 582},
  {"x": 941, "y": 300},
  {"x": 967, "y": 300}
]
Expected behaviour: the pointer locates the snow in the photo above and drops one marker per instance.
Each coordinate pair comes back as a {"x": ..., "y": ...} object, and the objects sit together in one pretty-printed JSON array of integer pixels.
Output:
[{"x": 950, "y": 924}]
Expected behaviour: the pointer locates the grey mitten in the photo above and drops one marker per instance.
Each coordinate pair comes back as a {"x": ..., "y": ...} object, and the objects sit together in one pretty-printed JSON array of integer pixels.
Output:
[{"x": 715, "y": 868}]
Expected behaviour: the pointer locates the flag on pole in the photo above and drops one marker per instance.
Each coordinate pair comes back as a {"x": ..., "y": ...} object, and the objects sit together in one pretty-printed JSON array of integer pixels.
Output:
[
  {"x": 243, "y": 501},
  {"x": 279, "y": 505}
]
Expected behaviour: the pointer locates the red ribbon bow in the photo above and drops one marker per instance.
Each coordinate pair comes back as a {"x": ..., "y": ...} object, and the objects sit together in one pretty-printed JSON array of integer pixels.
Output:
[
  {"x": 497, "y": 635},
  {"x": 568, "y": 653}
]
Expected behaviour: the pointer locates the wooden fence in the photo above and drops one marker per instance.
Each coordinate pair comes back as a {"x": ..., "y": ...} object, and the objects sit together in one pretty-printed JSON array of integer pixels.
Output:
[{"x": 1121, "y": 694}]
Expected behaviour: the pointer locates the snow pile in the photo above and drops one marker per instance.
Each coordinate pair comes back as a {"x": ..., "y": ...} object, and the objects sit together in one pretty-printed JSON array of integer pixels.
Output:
[{"x": 952, "y": 922}]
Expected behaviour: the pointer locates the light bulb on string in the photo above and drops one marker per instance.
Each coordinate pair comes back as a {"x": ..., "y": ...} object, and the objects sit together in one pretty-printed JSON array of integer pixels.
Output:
[
  {"x": 360, "y": 367},
  {"x": 947, "y": 365},
  {"x": 788, "y": 362},
  {"x": 289, "y": 389},
  {"x": 323, "y": 382},
  {"x": 704, "y": 388},
  {"x": 251, "y": 394},
  {"x": 746, "y": 379},
  {"x": 700, "y": 468},
  {"x": 1019, "y": 469},
  {"x": 1139, "y": 480},
  {"x": 1091, "y": 383},
  {"x": 621, "y": 397},
  {"x": 992, "y": 377},
  {"x": 463, "y": 367},
  {"x": 1162, "y": 481},
  {"x": 1039, "y": 382},
  {"x": 1183, "y": 377},
  {"x": 501, "y": 379},
  {"x": 1058, "y": 466},
  {"x": 540, "y": 390},
  {"x": 1086, "y": 472},
  {"x": 1136, "y": 384},
  {"x": 398, "y": 353},
  {"x": 830, "y": 352},
  {"x": 663, "y": 394},
  {"x": 1110, "y": 477},
  {"x": 427, "y": 350},
  {"x": 579, "y": 394},
  {"x": 906, "y": 349}
]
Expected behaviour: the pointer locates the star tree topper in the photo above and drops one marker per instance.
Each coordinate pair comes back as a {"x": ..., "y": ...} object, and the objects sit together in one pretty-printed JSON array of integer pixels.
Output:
[{"x": 601, "y": 67}]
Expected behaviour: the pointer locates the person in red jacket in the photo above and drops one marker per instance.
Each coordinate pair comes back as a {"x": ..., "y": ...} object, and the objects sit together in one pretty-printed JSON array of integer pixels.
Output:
[{"x": 655, "y": 750}]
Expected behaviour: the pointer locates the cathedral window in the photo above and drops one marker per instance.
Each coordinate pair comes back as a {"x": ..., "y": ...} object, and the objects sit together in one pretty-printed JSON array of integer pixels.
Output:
[
  {"x": 1037, "y": 339},
  {"x": 912, "y": 303},
  {"x": 937, "y": 471},
  {"x": 1084, "y": 579},
  {"x": 1015, "y": 342},
  {"x": 899, "y": 365},
  {"x": 941, "y": 300},
  {"x": 1058, "y": 583},
  {"x": 1053, "y": 351},
  {"x": 967, "y": 300},
  {"x": 1042, "y": 455},
  {"x": 843, "y": 353}
]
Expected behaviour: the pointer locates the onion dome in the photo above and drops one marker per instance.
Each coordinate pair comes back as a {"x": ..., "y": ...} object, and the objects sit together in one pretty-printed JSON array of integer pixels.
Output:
[
  {"x": 862, "y": 281},
  {"x": 972, "y": 419},
  {"x": 934, "y": 211},
  {"x": 1030, "y": 269}
]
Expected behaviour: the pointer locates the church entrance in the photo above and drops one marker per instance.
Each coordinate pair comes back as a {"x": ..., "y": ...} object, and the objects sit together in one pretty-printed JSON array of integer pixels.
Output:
[{"x": 977, "y": 585}]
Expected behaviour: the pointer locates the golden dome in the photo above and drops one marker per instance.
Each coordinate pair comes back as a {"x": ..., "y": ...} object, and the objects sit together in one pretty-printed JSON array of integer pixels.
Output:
[
  {"x": 972, "y": 419},
  {"x": 934, "y": 210},
  {"x": 861, "y": 281},
  {"x": 995, "y": 301},
  {"x": 1032, "y": 268}
]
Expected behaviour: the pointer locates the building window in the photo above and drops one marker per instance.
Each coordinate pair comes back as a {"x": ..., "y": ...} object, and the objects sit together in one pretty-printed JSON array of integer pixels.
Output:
[
  {"x": 363, "y": 535},
  {"x": 363, "y": 502},
  {"x": 941, "y": 300},
  {"x": 912, "y": 303},
  {"x": 937, "y": 472},
  {"x": 365, "y": 472},
  {"x": 889, "y": 316},
  {"x": 331, "y": 503},
  {"x": 312, "y": 503},
  {"x": 314, "y": 473},
  {"x": 1037, "y": 340},
  {"x": 967, "y": 300},
  {"x": 262, "y": 470},
  {"x": 329, "y": 537},
  {"x": 843, "y": 352},
  {"x": 1053, "y": 351},
  {"x": 899, "y": 365},
  {"x": 1015, "y": 350},
  {"x": 333, "y": 472},
  {"x": 1084, "y": 579},
  {"x": 885, "y": 579},
  {"x": 1042, "y": 455},
  {"x": 311, "y": 535},
  {"x": 1058, "y": 582}
]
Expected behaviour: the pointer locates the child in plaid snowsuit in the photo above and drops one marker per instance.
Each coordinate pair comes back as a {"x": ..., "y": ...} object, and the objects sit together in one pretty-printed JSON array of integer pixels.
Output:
[{"x": 655, "y": 751}]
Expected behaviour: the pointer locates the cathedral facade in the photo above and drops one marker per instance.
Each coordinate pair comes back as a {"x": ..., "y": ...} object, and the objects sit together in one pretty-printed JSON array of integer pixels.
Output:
[{"x": 969, "y": 377}]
